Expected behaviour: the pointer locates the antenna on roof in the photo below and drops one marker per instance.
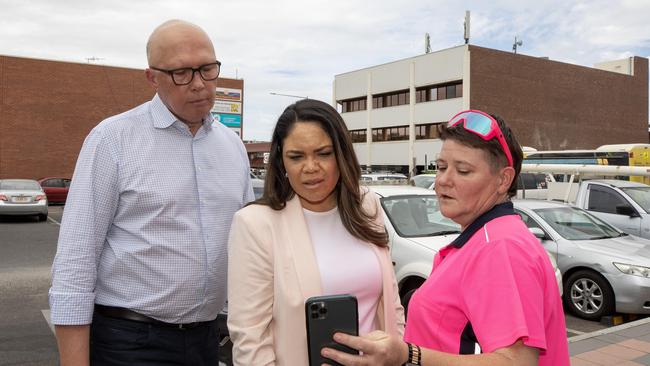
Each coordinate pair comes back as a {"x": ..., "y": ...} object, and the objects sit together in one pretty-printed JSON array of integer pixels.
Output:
[
  {"x": 427, "y": 43},
  {"x": 466, "y": 27},
  {"x": 517, "y": 43}
]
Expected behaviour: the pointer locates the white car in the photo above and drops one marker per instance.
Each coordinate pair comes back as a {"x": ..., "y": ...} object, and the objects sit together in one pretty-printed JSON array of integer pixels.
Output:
[
  {"x": 416, "y": 231},
  {"x": 258, "y": 185},
  {"x": 22, "y": 197},
  {"x": 426, "y": 180},
  {"x": 371, "y": 177}
]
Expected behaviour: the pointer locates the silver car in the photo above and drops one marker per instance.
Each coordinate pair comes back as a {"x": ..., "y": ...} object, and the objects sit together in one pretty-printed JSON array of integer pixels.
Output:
[
  {"x": 22, "y": 197},
  {"x": 604, "y": 269}
]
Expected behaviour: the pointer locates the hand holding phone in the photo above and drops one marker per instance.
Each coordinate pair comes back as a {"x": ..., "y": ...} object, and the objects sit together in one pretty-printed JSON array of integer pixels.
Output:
[{"x": 325, "y": 316}]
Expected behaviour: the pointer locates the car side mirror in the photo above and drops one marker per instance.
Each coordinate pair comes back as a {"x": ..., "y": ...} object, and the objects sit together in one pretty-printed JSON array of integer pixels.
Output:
[
  {"x": 539, "y": 233},
  {"x": 626, "y": 210}
]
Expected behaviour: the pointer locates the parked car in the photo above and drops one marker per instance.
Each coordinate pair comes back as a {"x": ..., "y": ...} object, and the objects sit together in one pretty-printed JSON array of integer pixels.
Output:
[
  {"x": 56, "y": 189},
  {"x": 383, "y": 176},
  {"x": 416, "y": 231},
  {"x": 258, "y": 185},
  {"x": 427, "y": 180},
  {"x": 22, "y": 197},
  {"x": 604, "y": 269}
]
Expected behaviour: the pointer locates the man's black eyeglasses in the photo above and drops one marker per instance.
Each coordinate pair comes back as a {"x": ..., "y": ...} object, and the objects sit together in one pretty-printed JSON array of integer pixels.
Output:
[{"x": 185, "y": 75}]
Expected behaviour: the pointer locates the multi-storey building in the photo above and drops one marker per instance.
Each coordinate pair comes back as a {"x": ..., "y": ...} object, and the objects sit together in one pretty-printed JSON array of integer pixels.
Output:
[{"x": 393, "y": 110}]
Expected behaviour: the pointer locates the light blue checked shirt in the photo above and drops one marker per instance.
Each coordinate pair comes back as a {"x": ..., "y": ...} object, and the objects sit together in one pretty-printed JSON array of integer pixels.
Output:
[{"x": 147, "y": 219}]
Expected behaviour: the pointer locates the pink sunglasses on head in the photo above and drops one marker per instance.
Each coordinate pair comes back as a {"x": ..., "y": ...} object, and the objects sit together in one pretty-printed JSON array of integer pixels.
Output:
[{"x": 483, "y": 125}]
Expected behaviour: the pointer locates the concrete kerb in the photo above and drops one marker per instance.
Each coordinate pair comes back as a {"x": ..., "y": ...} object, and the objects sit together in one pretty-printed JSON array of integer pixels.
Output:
[{"x": 615, "y": 329}]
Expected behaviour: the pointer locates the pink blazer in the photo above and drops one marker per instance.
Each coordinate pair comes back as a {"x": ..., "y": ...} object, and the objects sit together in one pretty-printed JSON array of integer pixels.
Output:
[{"x": 272, "y": 270}]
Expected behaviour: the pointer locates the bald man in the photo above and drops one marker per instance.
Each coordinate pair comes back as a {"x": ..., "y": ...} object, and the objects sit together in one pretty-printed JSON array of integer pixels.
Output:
[{"x": 140, "y": 271}]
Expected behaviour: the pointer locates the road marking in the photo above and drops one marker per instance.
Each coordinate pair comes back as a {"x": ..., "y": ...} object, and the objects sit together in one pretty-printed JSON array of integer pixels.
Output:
[
  {"x": 54, "y": 221},
  {"x": 46, "y": 315},
  {"x": 574, "y": 331}
]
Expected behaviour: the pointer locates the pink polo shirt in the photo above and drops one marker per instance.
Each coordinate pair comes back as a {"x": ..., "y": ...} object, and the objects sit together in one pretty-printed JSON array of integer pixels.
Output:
[{"x": 497, "y": 288}]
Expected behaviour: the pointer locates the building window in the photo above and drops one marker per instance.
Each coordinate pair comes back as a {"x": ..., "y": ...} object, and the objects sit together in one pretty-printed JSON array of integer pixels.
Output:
[
  {"x": 353, "y": 105},
  {"x": 358, "y": 135},
  {"x": 420, "y": 96},
  {"x": 396, "y": 133},
  {"x": 451, "y": 91},
  {"x": 442, "y": 93},
  {"x": 438, "y": 92},
  {"x": 391, "y": 99},
  {"x": 427, "y": 131},
  {"x": 377, "y": 102}
]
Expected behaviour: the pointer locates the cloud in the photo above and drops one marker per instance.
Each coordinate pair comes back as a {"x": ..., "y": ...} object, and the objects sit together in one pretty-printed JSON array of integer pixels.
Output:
[{"x": 296, "y": 47}]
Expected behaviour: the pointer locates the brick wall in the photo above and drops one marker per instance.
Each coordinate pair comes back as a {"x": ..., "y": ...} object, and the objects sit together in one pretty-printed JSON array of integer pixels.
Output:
[
  {"x": 555, "y": 106},
  {"x": 48, "y": 107}
]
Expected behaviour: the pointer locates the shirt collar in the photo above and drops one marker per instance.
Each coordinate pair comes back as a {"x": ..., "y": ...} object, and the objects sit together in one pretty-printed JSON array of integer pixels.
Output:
[
  {"x": 164, "y": 118},
  {"x": 502, "y": 209}
]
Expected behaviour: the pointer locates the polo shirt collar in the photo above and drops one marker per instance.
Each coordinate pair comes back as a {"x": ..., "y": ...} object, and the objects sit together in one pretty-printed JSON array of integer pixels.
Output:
[
  {"x": 164, "y": 118},
  {"x": 502, "y": 209}
]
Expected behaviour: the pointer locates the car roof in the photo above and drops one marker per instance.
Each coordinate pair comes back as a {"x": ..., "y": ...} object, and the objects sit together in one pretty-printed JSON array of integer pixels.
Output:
[
  {"x": 620, "y": 183},
  {"x": 383, "y": 175},
  {"x": 17, "y": 180},
  {"x": 537, "y": 204},
  {"x": 44, "y": 178},
  {"x": 400, "y": 190}
]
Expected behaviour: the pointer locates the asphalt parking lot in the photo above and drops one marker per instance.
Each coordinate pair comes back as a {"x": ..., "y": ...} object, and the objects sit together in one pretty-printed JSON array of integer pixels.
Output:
[{"x": 26, "y": 254}]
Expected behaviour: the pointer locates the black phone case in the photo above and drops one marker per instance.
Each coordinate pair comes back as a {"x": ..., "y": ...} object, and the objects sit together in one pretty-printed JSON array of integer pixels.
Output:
[{"x": 325, "y": 316}]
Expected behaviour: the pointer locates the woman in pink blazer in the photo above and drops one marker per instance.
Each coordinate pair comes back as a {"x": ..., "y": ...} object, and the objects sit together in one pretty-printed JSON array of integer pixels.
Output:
[{"x": 314, "y": 232}]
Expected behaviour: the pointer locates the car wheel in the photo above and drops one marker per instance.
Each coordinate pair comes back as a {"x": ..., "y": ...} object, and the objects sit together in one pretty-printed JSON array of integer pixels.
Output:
[
  {"x": 42, "y": 217},
  {"x": 588, "y": 295}
]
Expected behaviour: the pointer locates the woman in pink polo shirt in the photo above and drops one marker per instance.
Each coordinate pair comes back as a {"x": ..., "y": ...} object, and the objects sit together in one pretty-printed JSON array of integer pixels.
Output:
[{"x": 492, "y": 297}]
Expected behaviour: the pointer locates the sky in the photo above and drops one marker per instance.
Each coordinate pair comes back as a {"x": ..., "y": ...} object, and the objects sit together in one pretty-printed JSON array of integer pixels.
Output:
[{"x": 297, "y": 47}]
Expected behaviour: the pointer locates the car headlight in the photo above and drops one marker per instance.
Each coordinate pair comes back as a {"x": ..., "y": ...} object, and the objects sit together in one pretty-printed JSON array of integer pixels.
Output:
[{"x": 632, "y": 269}]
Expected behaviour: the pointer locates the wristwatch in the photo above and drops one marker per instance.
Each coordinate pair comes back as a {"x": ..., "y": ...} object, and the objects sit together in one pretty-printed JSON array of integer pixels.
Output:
[{"x": 415, "y": 354}]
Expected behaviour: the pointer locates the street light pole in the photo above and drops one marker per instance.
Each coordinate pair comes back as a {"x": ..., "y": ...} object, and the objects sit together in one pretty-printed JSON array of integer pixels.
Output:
[{"x": 289, "y": 95}]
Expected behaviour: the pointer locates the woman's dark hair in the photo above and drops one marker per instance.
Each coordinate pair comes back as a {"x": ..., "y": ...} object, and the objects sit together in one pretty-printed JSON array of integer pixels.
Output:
[
  {"x": 494, "y": 152},
  {"x": 277, "y": 190}
]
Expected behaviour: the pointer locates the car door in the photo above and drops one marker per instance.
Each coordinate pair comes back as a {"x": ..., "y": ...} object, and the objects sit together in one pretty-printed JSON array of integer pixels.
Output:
[
  {"x": 66, "y": 189},
  {"x": 53, "y": 188},
  {"x": 602, "y": 202}
]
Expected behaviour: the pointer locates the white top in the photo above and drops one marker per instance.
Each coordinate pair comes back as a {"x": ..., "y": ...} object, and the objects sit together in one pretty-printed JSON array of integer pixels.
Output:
[{"x": 347, "y": 265}]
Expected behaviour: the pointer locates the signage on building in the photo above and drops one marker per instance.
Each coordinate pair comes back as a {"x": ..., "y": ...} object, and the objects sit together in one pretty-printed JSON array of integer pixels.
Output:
[
  {"x": 266, "y": 157},
  {"x": 228, "y": 94},
  {"x": 230, "y": 120},
  {"x": 222, "y": 106}
]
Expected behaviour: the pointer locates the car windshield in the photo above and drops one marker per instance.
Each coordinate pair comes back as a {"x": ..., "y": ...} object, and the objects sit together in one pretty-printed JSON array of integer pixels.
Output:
[
  {"x": 424, "y": 181},
  {"x": 574, "y": 224},
  {"x": 417, "y": 215},
  {"x": 19, "y": 185},
  {"x": 640, "y": 195}
]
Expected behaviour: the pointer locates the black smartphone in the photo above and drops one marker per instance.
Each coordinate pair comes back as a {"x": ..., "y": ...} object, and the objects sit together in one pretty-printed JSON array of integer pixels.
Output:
[{"x": 325, "y": 316}]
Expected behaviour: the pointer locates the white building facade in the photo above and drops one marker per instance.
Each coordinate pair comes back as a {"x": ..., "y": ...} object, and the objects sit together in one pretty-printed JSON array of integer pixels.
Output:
[{"x": 392, "y": 110}]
